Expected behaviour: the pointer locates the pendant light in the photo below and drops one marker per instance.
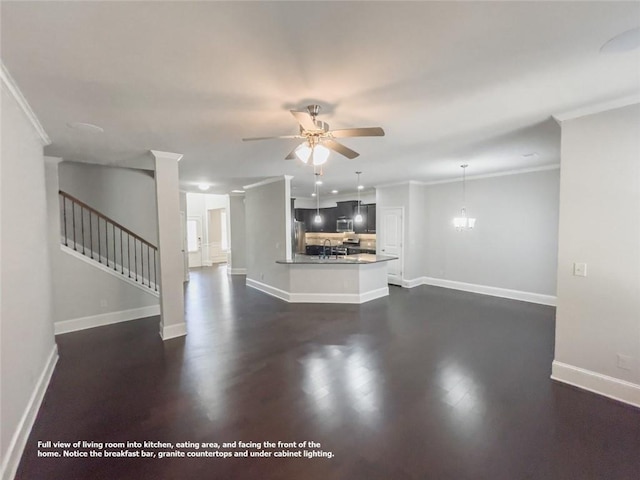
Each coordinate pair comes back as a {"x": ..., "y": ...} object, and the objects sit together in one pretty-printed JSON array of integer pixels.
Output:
[
  {"x": 358, "y": 218},
  {"x": 463, "y": 222},
  {"x": 317, "y": 219}
]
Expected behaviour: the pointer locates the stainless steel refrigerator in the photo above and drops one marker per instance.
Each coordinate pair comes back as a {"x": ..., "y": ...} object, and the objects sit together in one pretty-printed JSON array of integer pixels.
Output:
[{"x": 299, "y": 243}]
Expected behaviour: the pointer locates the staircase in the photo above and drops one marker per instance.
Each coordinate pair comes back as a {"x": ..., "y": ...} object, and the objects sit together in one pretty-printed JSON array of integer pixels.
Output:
[{"x": 108, "y": 243}]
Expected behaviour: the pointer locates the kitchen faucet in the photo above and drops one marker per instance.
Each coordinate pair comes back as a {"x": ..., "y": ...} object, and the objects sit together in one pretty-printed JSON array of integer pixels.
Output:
[{"x": 324, "y": 248}]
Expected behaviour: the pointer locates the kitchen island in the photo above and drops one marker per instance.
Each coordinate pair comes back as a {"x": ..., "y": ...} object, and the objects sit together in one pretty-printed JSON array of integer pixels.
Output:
[{"x": 337, "y": 279}]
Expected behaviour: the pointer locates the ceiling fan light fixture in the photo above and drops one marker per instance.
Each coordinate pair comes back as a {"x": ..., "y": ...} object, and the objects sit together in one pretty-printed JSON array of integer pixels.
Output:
[
  {"x": 320, "y": 154},
  {"x": 303, "y": 152}
]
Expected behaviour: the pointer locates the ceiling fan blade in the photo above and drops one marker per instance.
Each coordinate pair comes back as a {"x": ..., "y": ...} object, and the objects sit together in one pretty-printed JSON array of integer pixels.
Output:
[
  {"x": 292, "y": 154},
  {"x": 305, "y": 120},
  {"x": 270, "y": 138},
  {"x": 358, "y": 132},
  {"x": 341, "y": 149}
]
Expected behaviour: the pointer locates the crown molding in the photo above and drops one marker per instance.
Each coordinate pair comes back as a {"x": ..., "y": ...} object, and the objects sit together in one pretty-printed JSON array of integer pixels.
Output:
[
  {"x": 168, "y": 155},
  {"x": 597, "y": 108},
  {"x": 522, "y": 171},
  {"x": 12, "y": 88}
]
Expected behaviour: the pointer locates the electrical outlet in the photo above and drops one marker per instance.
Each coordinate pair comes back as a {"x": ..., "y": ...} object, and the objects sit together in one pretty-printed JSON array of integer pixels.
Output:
[
  {"x": 625, "y": 362},
  {"x": 579, "y": 269}
]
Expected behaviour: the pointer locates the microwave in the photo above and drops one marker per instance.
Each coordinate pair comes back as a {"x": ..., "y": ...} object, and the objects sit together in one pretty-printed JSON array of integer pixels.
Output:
[{"x": 344, "y": 225}]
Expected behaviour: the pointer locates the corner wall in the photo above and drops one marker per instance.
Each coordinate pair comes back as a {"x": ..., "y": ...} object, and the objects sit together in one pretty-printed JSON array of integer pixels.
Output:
[
  {"x": 268, "y": 220},
  {"x": 598, "y": 316},
  {"x": 27, "y": 348}
]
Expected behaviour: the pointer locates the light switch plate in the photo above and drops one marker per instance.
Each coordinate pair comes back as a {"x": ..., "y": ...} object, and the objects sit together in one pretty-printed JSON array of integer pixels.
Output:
[
  {"x": 580, "y": 269},
  {"x": 625, "y": 362}
]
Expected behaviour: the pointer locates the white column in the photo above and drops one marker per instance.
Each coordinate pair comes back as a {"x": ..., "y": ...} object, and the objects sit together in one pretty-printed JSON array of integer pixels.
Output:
[{"x": 172, "y": 322}]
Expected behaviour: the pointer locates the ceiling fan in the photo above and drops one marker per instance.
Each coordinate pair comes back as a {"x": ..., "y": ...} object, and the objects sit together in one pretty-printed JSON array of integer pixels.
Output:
[{"x": 319, "y": 139}]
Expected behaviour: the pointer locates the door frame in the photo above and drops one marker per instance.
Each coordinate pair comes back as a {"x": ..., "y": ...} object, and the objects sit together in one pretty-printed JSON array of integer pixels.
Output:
[{"x": 382, "y": 232}]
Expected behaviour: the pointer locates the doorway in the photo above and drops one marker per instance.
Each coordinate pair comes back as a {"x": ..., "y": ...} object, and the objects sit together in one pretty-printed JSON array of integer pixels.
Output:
[
  {"x": 194, "y": 241},
  {"x": 391, "y": 241}
]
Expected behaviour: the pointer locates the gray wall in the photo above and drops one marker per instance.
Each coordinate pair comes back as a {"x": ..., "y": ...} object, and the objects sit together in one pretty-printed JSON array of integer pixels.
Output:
[
  {"x": 598, "y": 317},
  {"x": 237, "y": 233},
  {"x": 26, "y": 339},
  {"x": 514, "y": 242},
  {"x": 268, "y": 218},
  {"x": 126, "y": 195},
  {"x": 81, "y": 290}
]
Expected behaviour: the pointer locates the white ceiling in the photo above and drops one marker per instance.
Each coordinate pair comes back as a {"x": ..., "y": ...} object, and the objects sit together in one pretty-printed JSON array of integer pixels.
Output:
[{"x": 451, "y": 83}]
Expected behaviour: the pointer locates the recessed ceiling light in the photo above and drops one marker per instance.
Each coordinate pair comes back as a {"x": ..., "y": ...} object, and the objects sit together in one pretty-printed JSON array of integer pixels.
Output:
[
  {"x": 313, "y": 194},
  {"x": 237, "y": 191},
  {"x": 360, "y": 187},
  {"x": 334, "y": 191},
  {"x": 204, "y": 186},
  {"x": 85, "y": 127},
  {"x": 625, "y": 42}
]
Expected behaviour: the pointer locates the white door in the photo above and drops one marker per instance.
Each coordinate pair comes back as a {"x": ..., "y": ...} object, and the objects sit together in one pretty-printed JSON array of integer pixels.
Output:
[
  {"x": 217, "y": 236},
  {"x": 391, "y": 241},
  {"x": 194, "y": 241}
]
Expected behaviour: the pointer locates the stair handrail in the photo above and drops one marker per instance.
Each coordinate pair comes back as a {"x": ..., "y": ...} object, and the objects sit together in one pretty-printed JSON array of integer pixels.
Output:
[{"x": 104, "y": 217}]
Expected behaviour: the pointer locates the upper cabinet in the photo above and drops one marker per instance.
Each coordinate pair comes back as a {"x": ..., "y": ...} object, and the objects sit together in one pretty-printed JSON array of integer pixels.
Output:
[{"x": 331, "y": 214}]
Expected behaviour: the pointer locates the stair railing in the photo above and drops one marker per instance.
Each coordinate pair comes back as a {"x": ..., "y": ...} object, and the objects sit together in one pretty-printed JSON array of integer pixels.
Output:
[{"x": 94, "y": 235}]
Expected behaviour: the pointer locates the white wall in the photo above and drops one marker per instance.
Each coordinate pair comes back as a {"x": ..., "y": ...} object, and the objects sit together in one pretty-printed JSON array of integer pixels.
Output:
[
  {"x": 598, "y": 316},
  {"x": 125, "y": 195},
  {"x": 28, "y": 351},
  {"x": 514, "y": 243},
  {"x": 268, "y": 231},
  {"x": 237, "y": 232}
]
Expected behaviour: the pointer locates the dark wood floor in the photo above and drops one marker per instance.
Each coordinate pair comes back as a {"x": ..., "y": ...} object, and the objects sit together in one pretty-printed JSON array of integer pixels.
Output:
[{"x": 427, "y": 383}]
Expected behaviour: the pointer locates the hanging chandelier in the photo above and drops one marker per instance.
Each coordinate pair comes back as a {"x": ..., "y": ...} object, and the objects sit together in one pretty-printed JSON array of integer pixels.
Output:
[{"x": 463, "y": 222}]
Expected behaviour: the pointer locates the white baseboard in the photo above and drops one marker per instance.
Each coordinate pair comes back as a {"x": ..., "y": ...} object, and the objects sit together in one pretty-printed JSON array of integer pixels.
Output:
[
  {"x": 82, "y": 323},
  {"x": 356, "y": 298},
  {"x": 173, "y": 331},
  {"x": 611, "y": 387},
  {"x": 237, "y": 271},
  {"x": 268, "y": 289},
  {"x": 414, "y": 282},
  {"x": 493, "y": 291},
  {"x": 19, "y": 439},
  {"x": 373, "y": 294}
]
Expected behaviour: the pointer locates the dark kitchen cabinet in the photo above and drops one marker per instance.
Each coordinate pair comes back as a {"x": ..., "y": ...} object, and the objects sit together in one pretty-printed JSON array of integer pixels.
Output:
[
  {"x": 345, "y": 209},
  {"x": 371, "y": 218},
  {"x": 308, "y": 215}
]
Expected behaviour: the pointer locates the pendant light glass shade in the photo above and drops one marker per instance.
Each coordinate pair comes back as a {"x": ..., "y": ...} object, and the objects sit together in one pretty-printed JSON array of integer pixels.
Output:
[
  {"x": 463, "y": 222},
  {"x": 318, "y": 217},
  {"x": 358, "y": 217}
]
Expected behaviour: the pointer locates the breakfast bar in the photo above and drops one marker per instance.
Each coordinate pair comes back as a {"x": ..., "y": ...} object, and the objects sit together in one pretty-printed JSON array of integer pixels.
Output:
[{"x": 337, "y": 279}]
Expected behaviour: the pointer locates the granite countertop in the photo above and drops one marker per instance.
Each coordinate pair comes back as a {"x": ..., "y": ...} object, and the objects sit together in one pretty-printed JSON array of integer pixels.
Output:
[{"x": 360, "y": 259}]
